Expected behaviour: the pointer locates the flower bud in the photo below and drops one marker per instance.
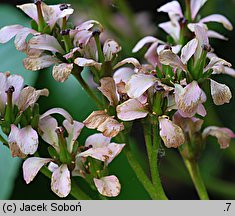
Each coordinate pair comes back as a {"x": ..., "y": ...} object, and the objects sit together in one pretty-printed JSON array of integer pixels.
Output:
[
  {"x": 65, "y": 32},
  {"x": 64, "y": 6}
]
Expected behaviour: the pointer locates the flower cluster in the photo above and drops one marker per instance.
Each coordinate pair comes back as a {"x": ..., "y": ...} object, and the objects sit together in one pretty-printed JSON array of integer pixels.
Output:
[{"x": 165, "y": 91}]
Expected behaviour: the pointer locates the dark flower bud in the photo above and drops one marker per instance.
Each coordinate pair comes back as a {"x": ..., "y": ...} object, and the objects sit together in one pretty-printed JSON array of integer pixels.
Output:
[
  {"x": 10, "y": 90},
  {"x": 87, "y": 147},
  {"x": 96, "y": 32},
  {"x": 167, "y": 47},
  {"x": 60, "y": 130},
  {"x": 63, "y": 7},
  {"x": 159, "y": 89},
  {"x": 183, "y": 21},
  {"x": 206, "y": 47},
  {"x": 65, "y": 32}
]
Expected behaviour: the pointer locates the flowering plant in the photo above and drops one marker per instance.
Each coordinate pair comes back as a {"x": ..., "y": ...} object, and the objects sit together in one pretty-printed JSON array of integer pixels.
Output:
[{"x": 164, "y": 93}]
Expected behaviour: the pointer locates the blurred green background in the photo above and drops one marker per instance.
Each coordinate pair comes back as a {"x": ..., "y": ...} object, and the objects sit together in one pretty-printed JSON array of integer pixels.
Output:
[{"x": 127, "y": 22}]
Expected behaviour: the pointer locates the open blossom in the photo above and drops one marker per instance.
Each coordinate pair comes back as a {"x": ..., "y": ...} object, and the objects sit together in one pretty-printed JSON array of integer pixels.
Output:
[
  {"x": 152, "y": 55},
  {"x": 101, "y": 149},
  {"x": 189, "y": 99},
  {"x": 175, "y": 13},
  {"x": 23, "y": 141},
  {"x": 110, "y": 50},
  {"x": 83, "y": 42},
  {"x": 171, "y": 134},
  {"x": 104, "y": 123},
  {"x": 51, "y": 15},
  {"x": 223, "y": 135},
  {"x": 22, "y": 97},
  {"x": 60, "y": 182}
]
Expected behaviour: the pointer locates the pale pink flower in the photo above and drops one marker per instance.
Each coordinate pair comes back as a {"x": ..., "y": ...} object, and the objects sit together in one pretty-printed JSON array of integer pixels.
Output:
[
  {"x": 188, "y": 125},
  {"x": 220, "y": 93},
  {"x": 19, "y": 32},
  {"x": 52, "y": 14},
  {"x": 48, "y": 126},
  {"x": 223, "y": 135},
  {"x": 152, "y": 54},
  {"x": 60, "y": 181},
  {"x": 109, "y": 90},
  {"x": 171, "y": 134},
  {"x": 131, "y": 109},
  {"x": 23, "y": 140},
  {"x": 83, "y": 33},
  {"x": 101, "y": 148},
  {"x": 110, "y": 50},
  {"x": 21, "y": 97},
  {"x": 189, "y": 99},
  {"x": 104, "y": 123},
  {"x": 174, "y": 11},
  {"x": 108, "y": 186}
]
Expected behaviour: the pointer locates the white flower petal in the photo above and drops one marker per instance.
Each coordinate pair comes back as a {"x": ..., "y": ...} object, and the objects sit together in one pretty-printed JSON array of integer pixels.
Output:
[
  {"x": 220, "y": 93},
  {"x": 109, "y": 90},
  {"x": 132, "y": 61},
  {"x": 223, "y": 135},
  {"x": 131, "y": 109},
  {"x": 188, "y": 50},
  {"x": 45, "y": 42},
  {"x": 26, "y": 138},
  {"x": 214, "y": 34},
  {"x": 108, "y": 186},
  {"x": 110, "y": 49},
  {"x": 30, "y": 9},
  {"x": 142, "y": 42},
  {"x": 97, "y": 140},
  {"x": 173, "y": 8},
  {"x": 74, "y": 131},
  {"x": 32, "y": 166},
  {"x": 47, "y": 127},
  {"x": 83, "y": 62},
  {"x": 167, "y": 57},
  {"x": 171, "y": 134},
  {"x": 173, "y": 29},
  {"x": 220, "y": 19},
  {"x": 139, "y": 83},
  {"x": 62, "y": 71},
  {"x": 61, "y": 182},
  {"x": 123, "y": 74},
  {"x": 44, "y": 61},
  {"x": 29, "y": 96},
  {"x": 195, "y": 6},
  {"x": 8, "y": 32},
  {"x": 60, "y": 111}
]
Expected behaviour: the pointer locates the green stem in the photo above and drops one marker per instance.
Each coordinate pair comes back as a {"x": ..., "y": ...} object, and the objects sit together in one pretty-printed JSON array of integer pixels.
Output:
[
  {"x": 99, "y": 48},
  {"x": 87, "y": 89},
  {"x": 148, "y": 141},
  {"x": 188, "y": 10},
  {"x": 154, "y": 167},
  {"x": 76, "y": 192},
  {"x": 41, "y": 21},
  {"x": 194, "y": 172},
  {"x": 140, "y": 174}
]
